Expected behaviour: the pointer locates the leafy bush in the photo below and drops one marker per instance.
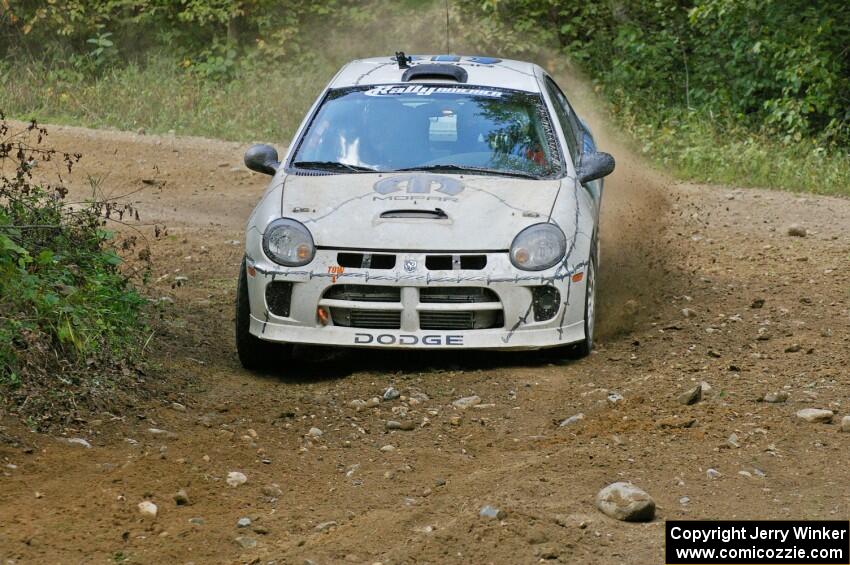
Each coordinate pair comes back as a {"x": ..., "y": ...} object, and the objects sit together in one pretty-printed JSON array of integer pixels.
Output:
[
  {"x": 746, "y": 91},
  {"x": 780, "y": 64},
  {"x": 68, "y": 313}
]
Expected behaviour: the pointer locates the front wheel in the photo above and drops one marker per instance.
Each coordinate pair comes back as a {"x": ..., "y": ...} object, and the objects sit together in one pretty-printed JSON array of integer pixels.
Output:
[
  {"x": 254, "y": 353},
  {"x": 585, "y": 346}
]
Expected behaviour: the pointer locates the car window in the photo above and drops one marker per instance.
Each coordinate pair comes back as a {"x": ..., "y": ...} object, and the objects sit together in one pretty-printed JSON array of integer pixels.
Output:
[
  {"x": 567, "y": 118},
  {"x": 395, "y": 127}
]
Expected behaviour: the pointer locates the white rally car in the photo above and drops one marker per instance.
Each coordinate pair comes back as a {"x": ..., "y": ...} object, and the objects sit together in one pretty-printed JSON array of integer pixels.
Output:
[{"x": 434, "y": 202}]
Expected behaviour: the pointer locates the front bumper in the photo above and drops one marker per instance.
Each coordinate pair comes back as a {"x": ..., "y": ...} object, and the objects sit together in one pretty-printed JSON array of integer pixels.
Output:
[{"x": 513, "y": 307}]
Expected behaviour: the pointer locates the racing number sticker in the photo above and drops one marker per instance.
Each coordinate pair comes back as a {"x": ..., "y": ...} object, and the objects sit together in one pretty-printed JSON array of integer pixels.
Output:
[{"x": 335, "y": 271}]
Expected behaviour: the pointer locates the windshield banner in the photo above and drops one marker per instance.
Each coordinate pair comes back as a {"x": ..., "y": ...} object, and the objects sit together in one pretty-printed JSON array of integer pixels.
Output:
[{"x": 418, "y": 90}]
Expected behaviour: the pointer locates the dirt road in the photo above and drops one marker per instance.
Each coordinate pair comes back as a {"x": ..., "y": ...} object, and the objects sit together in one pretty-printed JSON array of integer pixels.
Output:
[{"x": 703, "y": 284}]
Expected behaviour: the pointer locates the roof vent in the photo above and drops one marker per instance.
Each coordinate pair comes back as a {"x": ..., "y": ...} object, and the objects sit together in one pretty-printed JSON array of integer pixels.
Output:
[{"x": 428, "y": 71}]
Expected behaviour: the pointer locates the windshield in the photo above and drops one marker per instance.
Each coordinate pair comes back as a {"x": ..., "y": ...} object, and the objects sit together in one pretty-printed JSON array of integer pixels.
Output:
[{"x": 392, "y": 128}]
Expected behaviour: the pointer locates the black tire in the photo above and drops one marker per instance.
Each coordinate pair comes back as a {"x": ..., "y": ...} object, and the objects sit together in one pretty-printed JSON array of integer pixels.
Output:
[
  {"x": 254, "y": 353},
  {"x": 585, "y": 346}
]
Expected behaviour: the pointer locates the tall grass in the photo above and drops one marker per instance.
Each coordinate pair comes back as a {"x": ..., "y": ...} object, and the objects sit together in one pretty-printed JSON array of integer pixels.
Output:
[
  {"x": 695, "y": 146},
  {"x": 255, "y": 103}
]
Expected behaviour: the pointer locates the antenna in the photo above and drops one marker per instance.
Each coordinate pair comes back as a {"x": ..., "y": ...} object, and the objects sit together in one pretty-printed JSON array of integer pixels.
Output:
[{"x": 448, "y": 47}]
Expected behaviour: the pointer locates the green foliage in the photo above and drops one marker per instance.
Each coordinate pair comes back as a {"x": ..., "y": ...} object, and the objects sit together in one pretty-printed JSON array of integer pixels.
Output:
[
  {"x": 131, "y": 27},
  {"x": 757, "y": 86},
  {"x": 63, "y": 295},
  {"x": 775, "y": 65}
]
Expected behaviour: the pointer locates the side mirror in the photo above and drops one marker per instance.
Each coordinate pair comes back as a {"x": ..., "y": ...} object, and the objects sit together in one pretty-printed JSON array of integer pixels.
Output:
[
  {"x": 594, "y": 166},
  {"x": 262, "y": 158}
]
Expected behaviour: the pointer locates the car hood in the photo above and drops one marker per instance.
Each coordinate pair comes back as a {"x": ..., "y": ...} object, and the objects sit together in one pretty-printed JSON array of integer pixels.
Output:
[{"x": 417, "y": 211}]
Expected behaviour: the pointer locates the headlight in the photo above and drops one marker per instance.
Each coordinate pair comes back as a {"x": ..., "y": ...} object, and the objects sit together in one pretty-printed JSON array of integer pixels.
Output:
[
  {"x": 288, "y": 243},
  {"x": 538, "y": 247}
]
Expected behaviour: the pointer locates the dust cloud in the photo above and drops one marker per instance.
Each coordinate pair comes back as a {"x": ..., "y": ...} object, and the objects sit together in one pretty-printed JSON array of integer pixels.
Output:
[{"x": 636, "y": 258}]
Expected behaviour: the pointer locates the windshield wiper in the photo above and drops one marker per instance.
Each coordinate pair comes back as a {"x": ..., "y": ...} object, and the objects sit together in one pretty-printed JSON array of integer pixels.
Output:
[
  {"x": 333, "y": 166},
  {"x": 467, "y": 169}
]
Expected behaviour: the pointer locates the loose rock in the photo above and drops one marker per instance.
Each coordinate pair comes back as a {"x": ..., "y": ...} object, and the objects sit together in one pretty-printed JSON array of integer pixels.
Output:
[
  {"x": 691, "y": 396},
  {"x": 325, "y": 526},
  {"x": 77, "y": 441},
  {"x": 614, "y": 397},
  {"x": 272, "y": 490},
  {"x": 775, "y": 397},
  {"x": 713, "y": 474},
  {"x": 181, "y": 497},
  {"x": 148, "y": 509},
  {"x": 235, "y": 478},
  {"x": 243, "y": 522},
  {"x": 391, "y": 394},
  {"x": 246, "y": 542},
  {"x": 315, "y": 433},
  {"x": 571, "y": 420},
  {"x": 845, "y": 424},
  {"x": 796, "y": 230},
  {"x": 466, "y": 402},
  {"x": 624, "y": 501},
  {"x": 537, "y": 536},
  {"x": 492, "y": 513},
  {"x": 394, "y": 425},
  {"x": 815, "y": 415}
]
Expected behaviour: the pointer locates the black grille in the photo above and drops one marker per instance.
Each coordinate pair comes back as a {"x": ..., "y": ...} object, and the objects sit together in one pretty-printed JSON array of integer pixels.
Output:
[
  {"x": 364, "y": 293},
  {"x": 455, "y": 295},
  {"x": 279, "y": 298},
  {"x": 450, "y": 262},
  {"x": 375, "y": 319},
  {"x": 366, "y": 260},
  {"x": 461, "y": 320}
]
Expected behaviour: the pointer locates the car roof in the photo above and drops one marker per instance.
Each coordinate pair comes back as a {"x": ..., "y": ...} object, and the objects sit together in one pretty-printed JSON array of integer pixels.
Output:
[{"x": 481, "y": 71}]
